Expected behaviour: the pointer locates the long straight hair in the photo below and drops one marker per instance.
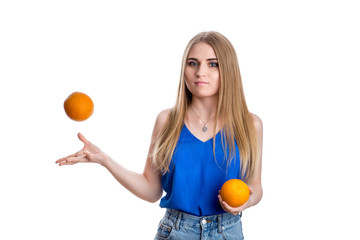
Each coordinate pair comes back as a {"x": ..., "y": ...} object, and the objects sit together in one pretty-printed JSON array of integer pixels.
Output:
[{"x": 231, "y": 109}]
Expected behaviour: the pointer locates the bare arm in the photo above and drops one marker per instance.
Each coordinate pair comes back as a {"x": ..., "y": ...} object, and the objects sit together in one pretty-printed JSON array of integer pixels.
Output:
[
  {"x": 146, "y": 186},
  {"x": 255, "y": 186}
]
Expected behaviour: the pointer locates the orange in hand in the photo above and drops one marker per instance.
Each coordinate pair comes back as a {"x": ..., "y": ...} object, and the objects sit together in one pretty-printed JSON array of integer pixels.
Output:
[
  {"x": 235, "y": 192},
  {"x": 79, "y": 106}
]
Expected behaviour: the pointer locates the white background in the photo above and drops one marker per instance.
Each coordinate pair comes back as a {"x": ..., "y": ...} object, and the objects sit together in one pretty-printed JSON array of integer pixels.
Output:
[{"x": 300, "y": 67}]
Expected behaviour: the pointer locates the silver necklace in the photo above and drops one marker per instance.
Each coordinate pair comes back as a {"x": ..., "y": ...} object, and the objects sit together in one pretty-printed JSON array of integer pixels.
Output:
[{"x": 204, "y": 128}]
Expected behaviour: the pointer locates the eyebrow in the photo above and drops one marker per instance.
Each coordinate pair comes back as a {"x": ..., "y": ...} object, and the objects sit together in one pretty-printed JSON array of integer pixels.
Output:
[{"x": 209, "y": 59}]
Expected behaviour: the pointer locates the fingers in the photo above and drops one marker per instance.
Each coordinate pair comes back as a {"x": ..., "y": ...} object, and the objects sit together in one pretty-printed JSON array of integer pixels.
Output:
[
  {"x": 64, "y": 158},
  {"x": 72, "y": 160},
  {"x": 77, "y": 154},
  {"x": 228, "y": 208},
  {"x": 81, "y": 156}
]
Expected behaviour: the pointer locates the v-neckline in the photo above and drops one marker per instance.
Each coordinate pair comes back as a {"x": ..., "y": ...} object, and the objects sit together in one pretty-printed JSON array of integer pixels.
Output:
[{"x": 193, "y": 135}]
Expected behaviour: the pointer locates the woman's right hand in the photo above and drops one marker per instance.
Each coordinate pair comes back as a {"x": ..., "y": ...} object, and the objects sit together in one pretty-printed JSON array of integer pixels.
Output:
[{"x": 89, "y": 153}]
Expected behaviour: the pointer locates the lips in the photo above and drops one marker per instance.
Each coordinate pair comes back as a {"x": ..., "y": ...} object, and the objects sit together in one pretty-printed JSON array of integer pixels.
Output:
[{"x": 201, "y": 83}]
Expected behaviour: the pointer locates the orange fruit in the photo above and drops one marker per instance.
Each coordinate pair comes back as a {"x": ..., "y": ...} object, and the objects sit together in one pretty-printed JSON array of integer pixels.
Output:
[
  {"x": 78, "y": 106},
  {"x": 235, "y": 192}
]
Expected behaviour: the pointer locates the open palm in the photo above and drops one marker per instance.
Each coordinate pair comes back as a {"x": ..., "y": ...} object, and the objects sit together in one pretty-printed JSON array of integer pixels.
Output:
[{"x": 89, "y": 153}]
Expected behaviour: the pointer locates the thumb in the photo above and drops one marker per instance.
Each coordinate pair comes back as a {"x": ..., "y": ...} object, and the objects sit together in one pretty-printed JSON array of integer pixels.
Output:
[{"x": 82, "y": 138}]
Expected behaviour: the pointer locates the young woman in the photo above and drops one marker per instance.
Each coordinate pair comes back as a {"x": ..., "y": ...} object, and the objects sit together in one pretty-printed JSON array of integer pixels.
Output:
[{"x": 207, "y": 138}]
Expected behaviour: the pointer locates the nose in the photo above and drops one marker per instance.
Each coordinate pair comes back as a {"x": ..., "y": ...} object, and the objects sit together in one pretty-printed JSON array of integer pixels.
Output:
[{"x": 201, "y": 71}]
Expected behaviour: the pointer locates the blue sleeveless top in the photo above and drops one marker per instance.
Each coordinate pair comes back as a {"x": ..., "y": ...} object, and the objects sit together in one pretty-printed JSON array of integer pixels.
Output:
[{"x": 195, "y": 177}]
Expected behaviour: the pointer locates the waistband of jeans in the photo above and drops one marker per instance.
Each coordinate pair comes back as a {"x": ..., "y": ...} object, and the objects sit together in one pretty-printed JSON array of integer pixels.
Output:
[{"x": 192, "y": 220}]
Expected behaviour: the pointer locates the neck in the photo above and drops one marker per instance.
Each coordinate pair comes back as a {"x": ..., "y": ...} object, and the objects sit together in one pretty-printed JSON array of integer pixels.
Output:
[{"x": 205, "y": 108}]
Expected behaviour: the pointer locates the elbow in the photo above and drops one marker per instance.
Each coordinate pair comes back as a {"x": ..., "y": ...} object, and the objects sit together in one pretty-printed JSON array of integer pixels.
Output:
[
  {"x": 154, "y": 198},
  {"x": 257, "y": 193},
  {"x": 260, "y": 195}
]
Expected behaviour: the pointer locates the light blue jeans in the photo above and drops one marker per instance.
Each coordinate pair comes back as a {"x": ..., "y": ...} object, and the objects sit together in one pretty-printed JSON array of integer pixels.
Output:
[{"x": 178, "y": 225}]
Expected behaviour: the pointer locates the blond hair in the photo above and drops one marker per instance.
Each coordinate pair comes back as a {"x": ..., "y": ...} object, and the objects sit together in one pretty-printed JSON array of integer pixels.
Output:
[{"x": 231, "y": 109}]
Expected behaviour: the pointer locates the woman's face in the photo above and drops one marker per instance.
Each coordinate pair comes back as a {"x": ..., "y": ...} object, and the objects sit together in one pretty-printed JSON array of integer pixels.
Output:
[{"x": 202, "y": 76}]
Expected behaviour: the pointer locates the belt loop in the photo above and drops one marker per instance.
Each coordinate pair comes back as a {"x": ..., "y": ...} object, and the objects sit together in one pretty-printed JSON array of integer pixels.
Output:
[
  {"x": 177, "y": 224},
  {"x": 219, "y": 224}
]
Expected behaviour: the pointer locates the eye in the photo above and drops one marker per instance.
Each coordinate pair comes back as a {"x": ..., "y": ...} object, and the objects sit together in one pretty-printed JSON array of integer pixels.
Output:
[
  {"x": 192, "y": 63},
  {"x": 213, "y": 64}
]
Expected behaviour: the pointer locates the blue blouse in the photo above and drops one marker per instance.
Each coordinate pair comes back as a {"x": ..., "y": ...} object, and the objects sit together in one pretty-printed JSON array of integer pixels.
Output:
[{"x": 195, "y": 176}]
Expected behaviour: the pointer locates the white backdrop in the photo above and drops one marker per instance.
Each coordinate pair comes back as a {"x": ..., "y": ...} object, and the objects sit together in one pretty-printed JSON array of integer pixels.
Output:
[{"x": 300, "y": 67}]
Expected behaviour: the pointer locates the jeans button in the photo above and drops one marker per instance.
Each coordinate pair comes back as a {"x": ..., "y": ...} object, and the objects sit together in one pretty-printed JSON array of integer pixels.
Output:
[{"x": 203, "y": 221}]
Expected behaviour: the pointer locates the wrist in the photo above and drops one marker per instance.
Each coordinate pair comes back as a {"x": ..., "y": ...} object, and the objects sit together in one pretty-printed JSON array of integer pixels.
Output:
[{"x": 106, "y": 162}]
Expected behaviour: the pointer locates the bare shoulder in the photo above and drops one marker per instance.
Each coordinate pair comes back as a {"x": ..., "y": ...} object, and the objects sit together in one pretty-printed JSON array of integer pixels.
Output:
[
  {"x": 257, "y": 122},
  {"x": 160, "y": 120},
  {"x": 162, "y": 116}
]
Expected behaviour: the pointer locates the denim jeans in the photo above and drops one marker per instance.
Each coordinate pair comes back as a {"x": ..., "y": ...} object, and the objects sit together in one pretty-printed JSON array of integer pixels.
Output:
[{"x": 178, "y": 225}]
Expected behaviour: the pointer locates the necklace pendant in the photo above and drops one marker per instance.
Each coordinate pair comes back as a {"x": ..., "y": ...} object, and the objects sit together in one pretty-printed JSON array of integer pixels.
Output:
[{"x": 204, "y": 129}]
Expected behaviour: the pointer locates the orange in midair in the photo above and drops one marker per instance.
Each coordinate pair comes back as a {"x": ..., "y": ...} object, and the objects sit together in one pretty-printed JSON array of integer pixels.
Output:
[
  {"x": 78, "y": 106},
  {"x": 235, "y": 192}
]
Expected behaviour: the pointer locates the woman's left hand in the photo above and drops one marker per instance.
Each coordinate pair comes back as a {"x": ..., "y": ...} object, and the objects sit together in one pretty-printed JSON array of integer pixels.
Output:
[{"x": 236, "y": 210}]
